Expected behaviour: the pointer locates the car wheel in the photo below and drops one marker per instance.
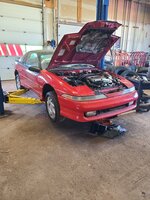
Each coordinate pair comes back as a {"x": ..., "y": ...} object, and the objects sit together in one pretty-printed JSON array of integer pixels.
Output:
[
  {"x": 18, "y": 83},
  {"x": 52, "y": 106}
]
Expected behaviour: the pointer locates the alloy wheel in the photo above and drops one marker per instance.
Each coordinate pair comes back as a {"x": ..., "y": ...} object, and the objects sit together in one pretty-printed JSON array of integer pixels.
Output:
[{"x": 51, "y": 108}]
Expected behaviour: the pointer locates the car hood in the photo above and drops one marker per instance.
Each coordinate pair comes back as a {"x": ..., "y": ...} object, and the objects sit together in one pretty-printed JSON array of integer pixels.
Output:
[{"x": 87, "y": 46}]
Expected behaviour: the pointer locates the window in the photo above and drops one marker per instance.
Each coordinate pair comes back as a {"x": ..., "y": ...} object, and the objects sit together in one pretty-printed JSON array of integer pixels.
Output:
[
  {"x": 45, "y": 60},
  {"x": 32, "y": 60},
  {"x": 23, "y": 58}
]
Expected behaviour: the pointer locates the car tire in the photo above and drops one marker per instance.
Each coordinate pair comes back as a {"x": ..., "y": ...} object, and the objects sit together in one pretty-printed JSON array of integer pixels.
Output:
[
  {"x": 18, "y": 83},
  {"x": 143, "y": 70},
  {"x": 52, "y": 106},
  {"x": 128, "y": 73},
  {"x": 130, "y": 76},
  {"x": 120, "y": 70}
]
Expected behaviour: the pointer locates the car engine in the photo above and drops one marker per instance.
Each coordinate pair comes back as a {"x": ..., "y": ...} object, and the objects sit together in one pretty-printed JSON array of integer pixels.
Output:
[
  {"x": 94, "y": 79},
  {"x": 97, "y": 80}
]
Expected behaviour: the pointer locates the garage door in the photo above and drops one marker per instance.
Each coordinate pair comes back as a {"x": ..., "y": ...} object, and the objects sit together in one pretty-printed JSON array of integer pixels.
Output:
[
  {"x": 20, "y": 24},
  {"x": 8, "y": 54},
  {"x": 7, "y": 65},
  {"x": 67, "y": 28}
]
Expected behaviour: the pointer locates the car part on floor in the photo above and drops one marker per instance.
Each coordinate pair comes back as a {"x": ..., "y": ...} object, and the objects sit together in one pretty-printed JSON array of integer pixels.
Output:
[
  {"x": 106, "y": 128},
  {"x": 141, "y": 82},
  {"x": 143, "y": 103}
]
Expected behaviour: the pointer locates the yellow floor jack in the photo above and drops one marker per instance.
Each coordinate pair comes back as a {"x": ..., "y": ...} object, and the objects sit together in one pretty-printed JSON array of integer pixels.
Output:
[{"x": 15, "y": 97}]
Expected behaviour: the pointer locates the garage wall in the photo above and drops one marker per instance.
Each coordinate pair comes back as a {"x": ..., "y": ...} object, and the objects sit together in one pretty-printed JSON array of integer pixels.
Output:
[
  {"x": 74, "y": 14},
  {"x": 20, "y": 24},
  {"x": 67, "y": 28},
  {"x": 88, "y": 10},
  {"x": 7, "y": 68},
  {"x": 68, "y": 10},
  {"x": 72, "y": 10},
  {"x": 135, "y": 19},
  {"x": 35, "y": 2}
]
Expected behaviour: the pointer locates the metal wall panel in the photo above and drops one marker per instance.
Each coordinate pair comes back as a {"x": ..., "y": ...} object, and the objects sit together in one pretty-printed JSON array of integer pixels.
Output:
[
  {"x": 21, "y": 38},
  {"x": 67, "y": 28},
  {"x": 7, "y": 65},
  {"x": 20, "y": 24},
  {"x": 19, "y": 11}
]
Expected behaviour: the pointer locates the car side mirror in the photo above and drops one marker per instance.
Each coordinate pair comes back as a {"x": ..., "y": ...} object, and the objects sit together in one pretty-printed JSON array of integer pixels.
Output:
[{"x": 34, "y": 69}]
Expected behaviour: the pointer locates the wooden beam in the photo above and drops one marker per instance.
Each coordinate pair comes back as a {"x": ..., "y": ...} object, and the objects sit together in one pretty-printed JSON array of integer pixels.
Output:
[
  {"x": 55, "y": 4},
  {"x": 22, "y": 3},
  {"x": 50, "y": 3},
  {"x": 79, "y": 10}
]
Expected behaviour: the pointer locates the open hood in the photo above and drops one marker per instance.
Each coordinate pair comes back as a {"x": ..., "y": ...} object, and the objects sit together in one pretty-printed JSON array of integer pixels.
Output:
[{"x": 87, "y": 46}]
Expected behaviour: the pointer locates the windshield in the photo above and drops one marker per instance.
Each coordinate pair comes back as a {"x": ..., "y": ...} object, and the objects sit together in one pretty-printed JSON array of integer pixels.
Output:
[
  {"x": 73, "y": 67},
  {"x": 45, "y": 59}
]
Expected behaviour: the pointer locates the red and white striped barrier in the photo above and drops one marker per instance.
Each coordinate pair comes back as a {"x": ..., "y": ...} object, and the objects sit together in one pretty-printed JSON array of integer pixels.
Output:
[{"x": 10, "y": 50}]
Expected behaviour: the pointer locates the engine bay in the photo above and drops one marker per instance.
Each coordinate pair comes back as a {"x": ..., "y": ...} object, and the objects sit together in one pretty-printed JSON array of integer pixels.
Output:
[{"x": 94, "y": 79}]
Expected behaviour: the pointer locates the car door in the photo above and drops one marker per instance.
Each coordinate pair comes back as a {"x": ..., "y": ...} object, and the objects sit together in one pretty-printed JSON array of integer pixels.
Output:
[
  {"x": 21, "y": 69},
  {"x": 32, "y": 61}
]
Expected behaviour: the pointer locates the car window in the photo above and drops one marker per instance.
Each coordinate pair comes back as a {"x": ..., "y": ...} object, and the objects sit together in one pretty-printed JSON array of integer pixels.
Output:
[
  {"x": 23, "y": 58},
  {"x": 45, "y": 60},
  {"x": 46, "y": 57},
  {"x": 32, "y": 60},
  {"x": 45, "y": 63}
]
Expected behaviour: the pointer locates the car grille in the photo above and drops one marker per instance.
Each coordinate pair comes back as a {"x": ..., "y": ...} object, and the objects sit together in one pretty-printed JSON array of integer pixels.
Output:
[{"x": 112, "y": 109}]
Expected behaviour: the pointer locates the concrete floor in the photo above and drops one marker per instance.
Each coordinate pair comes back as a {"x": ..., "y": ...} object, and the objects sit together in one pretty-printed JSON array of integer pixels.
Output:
[{"x": 42, "y": 161}]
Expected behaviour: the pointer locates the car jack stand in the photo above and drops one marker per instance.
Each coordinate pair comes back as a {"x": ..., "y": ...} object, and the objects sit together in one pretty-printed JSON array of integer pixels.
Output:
[{"x": 106, "y": 128}]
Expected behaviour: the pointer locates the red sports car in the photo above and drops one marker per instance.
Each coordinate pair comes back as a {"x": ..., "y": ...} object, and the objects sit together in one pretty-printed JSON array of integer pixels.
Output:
[{"x": 70, "y": 81}]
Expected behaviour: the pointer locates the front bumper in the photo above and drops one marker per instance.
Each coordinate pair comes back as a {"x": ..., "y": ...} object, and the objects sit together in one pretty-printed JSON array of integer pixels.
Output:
[{"x": 116, "y": 105}]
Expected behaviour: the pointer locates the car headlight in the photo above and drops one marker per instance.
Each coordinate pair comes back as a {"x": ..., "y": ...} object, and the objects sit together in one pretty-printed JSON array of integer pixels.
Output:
[
  {"x": 84, "y": 98},
  {"x": 132, "y": 89}
]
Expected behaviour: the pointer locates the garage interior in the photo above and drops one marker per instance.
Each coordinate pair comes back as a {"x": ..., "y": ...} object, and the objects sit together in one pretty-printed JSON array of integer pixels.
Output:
[{"x": 46, "y": 161}]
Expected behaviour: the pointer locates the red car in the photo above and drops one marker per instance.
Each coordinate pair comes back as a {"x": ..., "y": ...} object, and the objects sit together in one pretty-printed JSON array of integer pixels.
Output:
[{"x": 71, "y": 83}]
